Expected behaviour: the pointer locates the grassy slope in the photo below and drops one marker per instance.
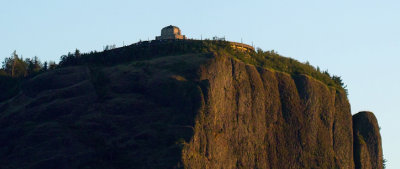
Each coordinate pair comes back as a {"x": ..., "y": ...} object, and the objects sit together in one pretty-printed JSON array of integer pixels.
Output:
[{"x": 146, "y": 50}]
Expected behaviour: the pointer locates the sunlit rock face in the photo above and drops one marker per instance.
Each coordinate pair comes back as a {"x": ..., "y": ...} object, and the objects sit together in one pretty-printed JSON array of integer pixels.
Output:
[{"x": 257, "y": 118}]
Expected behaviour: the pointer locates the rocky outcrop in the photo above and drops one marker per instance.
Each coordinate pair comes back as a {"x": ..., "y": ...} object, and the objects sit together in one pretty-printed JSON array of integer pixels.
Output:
[
  {"x": 183, "y": 111},
  {"x": 367, "y": 142},
  {"x": 258, "y": 118}
]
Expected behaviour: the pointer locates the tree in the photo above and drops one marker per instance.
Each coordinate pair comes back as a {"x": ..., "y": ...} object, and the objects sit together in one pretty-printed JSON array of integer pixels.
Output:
[
  {"x": 7, "y": 65},
  {"x": 52, "y": 65},
  {"x": 109, "y": 47},
  {"x": 384, "y": 163},
  {"x": 338, "y": 80},
  {"x": 259, "y": 50},
  {"x": 31, "y": 67},
  {"x": 37, "y": 65},
  {"x": 44, "y": 68},
  {"x": 18, "y": 66},
  {"x": 14, "y": 57},
  {"x": 77, "y": 53}
]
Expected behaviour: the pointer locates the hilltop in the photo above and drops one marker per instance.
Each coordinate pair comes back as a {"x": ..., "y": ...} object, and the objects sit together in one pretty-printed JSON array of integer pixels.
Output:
[
  {"x": 184, "y": 104},
  {"x": 150, "y": 49}
]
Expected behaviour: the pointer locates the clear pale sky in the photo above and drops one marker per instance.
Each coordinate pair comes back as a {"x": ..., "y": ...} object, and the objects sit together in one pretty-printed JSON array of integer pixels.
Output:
[{"x": 356, "y": 39}]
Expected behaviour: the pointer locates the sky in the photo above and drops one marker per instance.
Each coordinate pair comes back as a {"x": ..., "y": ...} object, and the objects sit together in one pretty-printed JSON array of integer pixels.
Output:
[{"x": 358, "y": 40}]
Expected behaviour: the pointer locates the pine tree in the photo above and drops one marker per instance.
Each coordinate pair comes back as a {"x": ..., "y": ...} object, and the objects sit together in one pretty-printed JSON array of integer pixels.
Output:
[
  {"x": 44, "y": 67},
  {"x": 14, "y": 56},
  {"x": 77, "y": 53}
]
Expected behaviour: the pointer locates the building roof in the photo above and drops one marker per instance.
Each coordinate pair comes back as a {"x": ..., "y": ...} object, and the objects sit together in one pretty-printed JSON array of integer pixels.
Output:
[{"x": 170, "y": 26}]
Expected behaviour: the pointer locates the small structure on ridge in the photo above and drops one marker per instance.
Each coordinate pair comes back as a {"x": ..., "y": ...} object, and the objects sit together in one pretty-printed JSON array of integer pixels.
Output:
[
  {"x": 170, "y": 32},
  {"x": 173, "y": 32}
]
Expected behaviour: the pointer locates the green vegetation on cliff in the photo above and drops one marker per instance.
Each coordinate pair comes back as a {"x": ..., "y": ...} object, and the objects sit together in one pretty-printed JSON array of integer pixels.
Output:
[{"x": 145, "y": 50}]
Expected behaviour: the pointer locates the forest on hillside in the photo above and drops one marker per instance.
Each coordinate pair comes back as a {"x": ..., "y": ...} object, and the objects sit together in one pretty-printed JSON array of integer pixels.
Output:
[{"x": 15, "y": 69}]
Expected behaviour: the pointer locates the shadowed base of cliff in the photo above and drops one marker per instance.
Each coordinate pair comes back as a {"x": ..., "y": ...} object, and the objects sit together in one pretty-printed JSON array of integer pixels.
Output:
[{"x": 183, "y": 111}]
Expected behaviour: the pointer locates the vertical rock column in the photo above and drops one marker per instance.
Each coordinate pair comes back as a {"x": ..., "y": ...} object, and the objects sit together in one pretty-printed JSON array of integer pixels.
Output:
[{"x": 367, "y": 142}]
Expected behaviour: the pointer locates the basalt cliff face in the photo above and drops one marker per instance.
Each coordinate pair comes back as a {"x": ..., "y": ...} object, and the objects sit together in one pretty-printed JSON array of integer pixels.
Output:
[
  {"x": 258, "y": 118},
  {"x": 183, "y": 111},
  {"x": 367, "y": 141}
]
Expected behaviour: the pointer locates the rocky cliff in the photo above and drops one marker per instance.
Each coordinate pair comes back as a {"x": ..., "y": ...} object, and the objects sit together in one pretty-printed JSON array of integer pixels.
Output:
[
  {"x": 258, "y": 118},
  {"x": 367, "y": 141},
  {"x": 183, "y": 111}
]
